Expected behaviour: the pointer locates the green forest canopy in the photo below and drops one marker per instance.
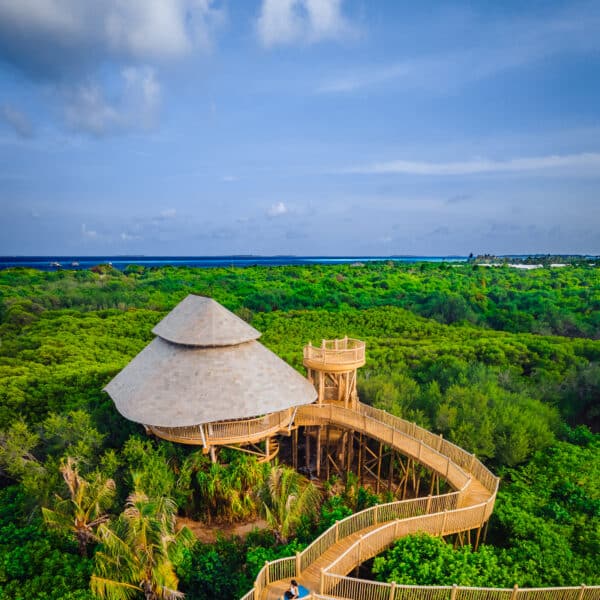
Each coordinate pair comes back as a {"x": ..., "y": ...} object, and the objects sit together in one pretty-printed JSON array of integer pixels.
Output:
[{"x": 503, "y": 362}]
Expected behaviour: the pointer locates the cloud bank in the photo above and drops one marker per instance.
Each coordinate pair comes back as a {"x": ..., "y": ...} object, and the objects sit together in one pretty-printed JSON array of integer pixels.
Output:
[
  {"x": 99, "y": 59},
  {"x": 588, "y": 161}
]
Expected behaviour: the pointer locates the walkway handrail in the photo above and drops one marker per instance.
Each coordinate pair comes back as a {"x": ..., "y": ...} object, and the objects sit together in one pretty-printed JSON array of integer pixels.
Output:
[
  {"x": 436, "y": 509},
  {"x": 374, "y": 542},
  {"x": 370, "y": 590},
  {"x": 229, "y": 432},
  {"x": 338, "y": 352},
  {"x": 363, "y": 416}
]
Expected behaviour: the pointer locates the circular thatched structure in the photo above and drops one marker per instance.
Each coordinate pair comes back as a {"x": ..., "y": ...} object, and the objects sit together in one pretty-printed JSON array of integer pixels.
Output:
[{"x": 205, "y": 366}]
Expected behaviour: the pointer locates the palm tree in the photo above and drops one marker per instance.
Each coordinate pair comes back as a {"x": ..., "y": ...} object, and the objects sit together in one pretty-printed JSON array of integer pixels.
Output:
[
  {"x": 286, "y": 497},
  {"x": 134, "y": 556},
  {"x": 85, "y": 509},
  {"x": 226, "y": 490}
]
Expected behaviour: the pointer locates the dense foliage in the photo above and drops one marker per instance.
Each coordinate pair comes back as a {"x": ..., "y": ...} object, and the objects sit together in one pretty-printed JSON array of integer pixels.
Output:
[{"x": 474, "y": 353}]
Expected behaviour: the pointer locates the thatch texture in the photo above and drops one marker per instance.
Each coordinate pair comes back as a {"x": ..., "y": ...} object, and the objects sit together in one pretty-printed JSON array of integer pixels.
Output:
[
  {"x": 200, "y": 321},
  {"x": 182, "y": 384}
]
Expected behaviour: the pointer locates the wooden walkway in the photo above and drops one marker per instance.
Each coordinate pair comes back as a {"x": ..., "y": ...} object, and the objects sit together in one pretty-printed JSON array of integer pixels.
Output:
[{"x": 323, "y": 565}]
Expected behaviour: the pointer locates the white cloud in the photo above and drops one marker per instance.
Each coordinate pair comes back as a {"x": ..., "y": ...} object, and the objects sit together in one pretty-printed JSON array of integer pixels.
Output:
[
  {"x": 168, "y": 213},
  {"x": 135, "y": 104},
  {"x": 140, "y": 29},
  {"x": 290, "y": 21},
  {"x": 18, "y": 120},
  {"x": 589, "y": 161},
  {"x": 277, "y": 209},
  {"x": 73, "y": 48}
]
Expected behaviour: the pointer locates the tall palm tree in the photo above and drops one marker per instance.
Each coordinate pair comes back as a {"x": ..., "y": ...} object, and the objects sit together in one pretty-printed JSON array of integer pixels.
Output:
[
  {"x": 134, "y": 556},
  {"x": 286, "y": 497},
  {"x": 86, "y": 507}
]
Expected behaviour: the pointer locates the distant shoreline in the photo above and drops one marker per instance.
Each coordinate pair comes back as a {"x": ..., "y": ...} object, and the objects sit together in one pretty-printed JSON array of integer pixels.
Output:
[{"x": 121, "y": 262}]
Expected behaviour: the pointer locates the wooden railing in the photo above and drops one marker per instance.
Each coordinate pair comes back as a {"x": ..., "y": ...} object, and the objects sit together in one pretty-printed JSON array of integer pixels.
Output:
[
  {"x": 437, "y": 515},
  {"x": 402, "y": 435},
  {"x": 440, "y": 515},
  {"x": 227, "y": 432},
  {"x": 346, "y": 351},
  {"x": 347, "y": 587}
]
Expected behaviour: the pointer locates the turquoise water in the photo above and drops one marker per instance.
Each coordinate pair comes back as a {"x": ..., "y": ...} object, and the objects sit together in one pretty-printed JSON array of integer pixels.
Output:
[{"x": 51, "y": 263}]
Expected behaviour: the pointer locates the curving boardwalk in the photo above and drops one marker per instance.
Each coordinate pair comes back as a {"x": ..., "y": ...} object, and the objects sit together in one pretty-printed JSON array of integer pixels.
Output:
[{"x": 322, "y": 567}]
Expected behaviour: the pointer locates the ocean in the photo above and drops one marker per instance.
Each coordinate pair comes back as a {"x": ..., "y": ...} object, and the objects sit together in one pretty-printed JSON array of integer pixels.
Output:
[{"x": 53, "y": 263}]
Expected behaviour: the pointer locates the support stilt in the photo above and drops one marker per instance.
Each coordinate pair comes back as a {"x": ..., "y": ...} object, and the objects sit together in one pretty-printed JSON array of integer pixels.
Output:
[{"x": 318, "y": 451}]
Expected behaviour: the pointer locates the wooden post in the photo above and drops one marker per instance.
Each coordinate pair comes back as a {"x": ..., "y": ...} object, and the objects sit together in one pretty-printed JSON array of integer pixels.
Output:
[
  {"x": 391, "y": 472},
  {"x": 581, "y": 592},
  {"x": 359, "y": 467},
  {"x": 267, "y": 576},
  {"x": 327, "y": 452},
  {"x": 318, "y": 457},
  {"x": 453, "y": 592},
  {"x": 307, "y": 448},
  {"x": 432, "y": 484},
  {"x": 337, "y": 532},
  {"x": 376, "y": 514},
  {"x": 295, "y": 448},
  {"x": 428, "y": 507},
  {"x": 350, "y": 450},
  {"x": 321, "y": 387},
  {"x": 418, "y": 485},
  {"x": 406, "y": 474},
  {"x": 513, "y": 596},
  {"x": 298, "y": 564},
  {"x": 392, "y": 590},
  {"x": 477, "y": 538},
  {"x": 322, "y": 582},
  {"x": 443, "y": 523},
  {"x": 379, "y": 467}
]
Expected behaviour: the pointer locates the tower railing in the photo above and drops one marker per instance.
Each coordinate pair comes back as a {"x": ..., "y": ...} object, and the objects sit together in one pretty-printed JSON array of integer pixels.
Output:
[{"x": 336, "y": 352}]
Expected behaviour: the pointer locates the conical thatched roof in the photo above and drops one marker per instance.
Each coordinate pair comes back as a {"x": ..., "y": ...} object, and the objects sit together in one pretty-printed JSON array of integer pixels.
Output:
[
  {"x": 195, "y": 378},
  {"x": 199, "y": 321}
]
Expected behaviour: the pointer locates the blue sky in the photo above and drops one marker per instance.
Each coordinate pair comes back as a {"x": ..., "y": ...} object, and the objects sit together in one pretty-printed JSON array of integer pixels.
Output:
[{"x": 299, "y": 127}]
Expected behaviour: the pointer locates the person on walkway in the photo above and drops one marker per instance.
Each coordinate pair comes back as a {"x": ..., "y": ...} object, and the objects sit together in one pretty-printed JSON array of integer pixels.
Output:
[{"x": 294, "y": 589}]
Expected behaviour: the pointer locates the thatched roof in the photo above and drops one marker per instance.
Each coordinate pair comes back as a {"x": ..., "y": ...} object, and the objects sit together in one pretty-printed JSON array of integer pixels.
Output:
[
  {"x": 199, "y": 321},
  {"x": 181, "y": 384}
]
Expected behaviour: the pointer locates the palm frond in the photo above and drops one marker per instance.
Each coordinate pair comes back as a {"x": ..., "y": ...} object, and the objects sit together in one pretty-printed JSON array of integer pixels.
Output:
[{"x": 113, "y": 590}]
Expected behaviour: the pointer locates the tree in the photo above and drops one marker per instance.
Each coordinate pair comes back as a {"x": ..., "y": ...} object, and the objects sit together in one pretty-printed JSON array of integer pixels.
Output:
[
  {"x": 425, "y": 560},
  {"x": 85, "y": 509},
  {"x": 135, "y": 552},
  {"x": 286, "y": 497}
]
